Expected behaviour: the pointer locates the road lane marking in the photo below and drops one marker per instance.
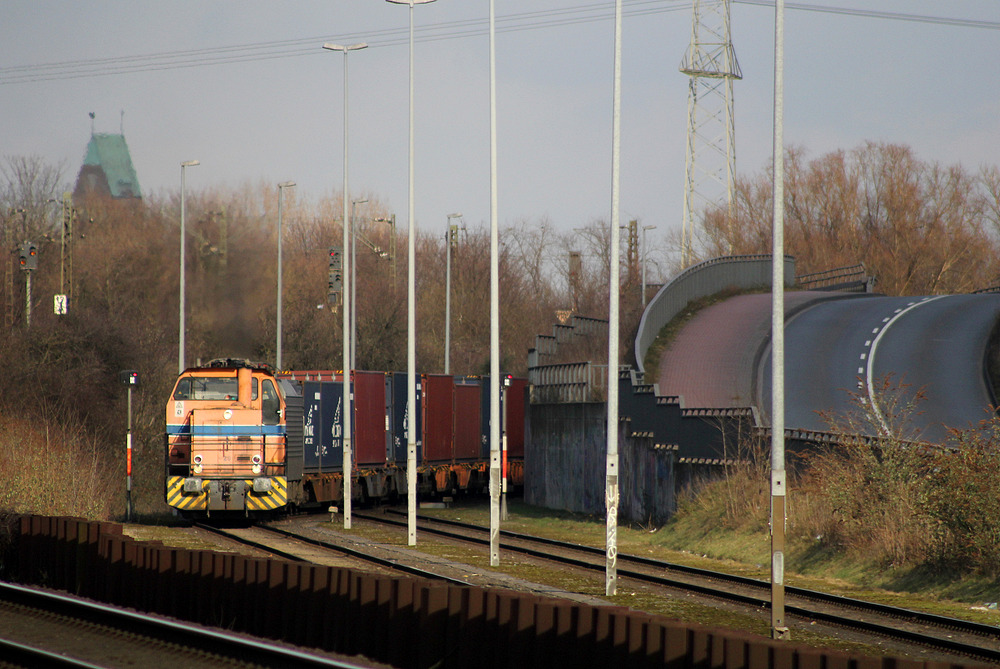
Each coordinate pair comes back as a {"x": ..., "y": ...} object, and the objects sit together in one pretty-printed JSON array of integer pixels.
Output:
[{"x": 871, "y": 358}]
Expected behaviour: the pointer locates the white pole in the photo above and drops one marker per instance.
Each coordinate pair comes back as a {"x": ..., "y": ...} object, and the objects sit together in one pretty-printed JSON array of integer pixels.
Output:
[
  {"x": 180, "y": 339},
  {"x": 281, "y": 202},
  {"x": 494, "y": 311},
  {"x": 447, "y": 299},
  {"x": 411, "y": 325},
  {"x": 354, "y": 285},
  {"x": 611, "y": 469},
  {"x": 346, "y": 325},
  {"x": 778, "y": 484},
  {"x": 346, "y": 320}
]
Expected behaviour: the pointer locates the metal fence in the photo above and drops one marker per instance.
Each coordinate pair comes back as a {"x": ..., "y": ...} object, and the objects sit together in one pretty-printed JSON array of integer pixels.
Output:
[{"x": 569, "y": 382}]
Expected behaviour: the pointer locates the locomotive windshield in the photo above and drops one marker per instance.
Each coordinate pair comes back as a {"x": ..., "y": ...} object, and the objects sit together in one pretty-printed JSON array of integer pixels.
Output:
[{"x": 210, "y": 388}]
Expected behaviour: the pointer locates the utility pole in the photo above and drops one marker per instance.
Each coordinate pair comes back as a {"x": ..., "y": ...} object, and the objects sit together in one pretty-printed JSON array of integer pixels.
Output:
[
  {"x": 575, "y": 270},
  {"x": 632, "y": 254},
  {"x": 451, "y": 242},
  {"x": 8, "y": 274},
  {"x": 644, "y": 229},
  {"x": 710, "y": 63}
]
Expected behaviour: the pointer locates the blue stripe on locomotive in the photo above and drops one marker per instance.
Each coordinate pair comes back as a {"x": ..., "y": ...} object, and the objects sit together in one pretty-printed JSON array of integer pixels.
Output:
[{"x": 226, "y": 430}]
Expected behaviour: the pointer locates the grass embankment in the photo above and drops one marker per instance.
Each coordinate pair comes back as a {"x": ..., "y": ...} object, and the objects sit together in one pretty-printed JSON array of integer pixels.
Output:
[
  {"x": 695, "y": 537},
  {"x": 684, "y": 541}
]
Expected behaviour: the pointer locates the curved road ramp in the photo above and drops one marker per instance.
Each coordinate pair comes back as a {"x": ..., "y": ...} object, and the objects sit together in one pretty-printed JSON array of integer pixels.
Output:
[{"x": 844, "y": 346}]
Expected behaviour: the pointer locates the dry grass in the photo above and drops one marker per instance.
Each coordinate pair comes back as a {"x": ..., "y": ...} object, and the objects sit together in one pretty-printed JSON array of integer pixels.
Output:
[{"x": 54, "y": 471}]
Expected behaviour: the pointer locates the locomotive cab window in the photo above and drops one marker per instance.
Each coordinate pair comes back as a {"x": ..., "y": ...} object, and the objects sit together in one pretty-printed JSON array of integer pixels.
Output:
[
  {"x": 270, "y": 406},
  {"x": 210, "y": 388}
]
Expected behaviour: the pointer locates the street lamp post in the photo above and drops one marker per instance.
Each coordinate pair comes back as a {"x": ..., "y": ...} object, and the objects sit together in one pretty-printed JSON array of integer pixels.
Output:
[
  {"x": 611, "y": 490},
  {"x": 449, "y": 240},
  {"x": 495, "y": 452},
  {"x": 354, "y": 285},
  {"x": 281, "y": 201},
  {"x": 411, "y": 323},
  {"x": 348, "y": 460},
  {"x": 779, "y": 488},
  {"x": 644, "y": 228},
  {"x": 180, "y": 344}
]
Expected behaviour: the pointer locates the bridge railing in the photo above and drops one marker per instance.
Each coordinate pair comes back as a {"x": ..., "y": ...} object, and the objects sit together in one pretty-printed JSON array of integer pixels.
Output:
[
  {"x": 569, "y": 382},
  {"x": 701, "y": 280}
]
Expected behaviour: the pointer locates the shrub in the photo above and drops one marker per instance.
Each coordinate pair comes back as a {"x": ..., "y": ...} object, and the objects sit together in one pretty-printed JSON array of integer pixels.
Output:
[
  {"x": 876, "y": 487},
  {"x": 962, "y": 499}
]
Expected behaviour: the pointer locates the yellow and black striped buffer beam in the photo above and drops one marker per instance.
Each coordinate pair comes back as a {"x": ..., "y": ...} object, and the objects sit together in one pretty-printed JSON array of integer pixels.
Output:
[
  {"x": 177, "y": 498},
  {"x": 270, "y": 500}
]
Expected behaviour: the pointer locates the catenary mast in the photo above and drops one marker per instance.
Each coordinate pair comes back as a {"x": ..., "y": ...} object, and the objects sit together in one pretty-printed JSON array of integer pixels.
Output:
[{"x": 710, "y": 63}]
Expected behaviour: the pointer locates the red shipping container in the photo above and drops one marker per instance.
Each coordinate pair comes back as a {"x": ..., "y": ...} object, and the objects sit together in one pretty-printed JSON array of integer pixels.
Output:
[
  {"x": 439, "y": 410},
  {"x": 369, "y": 418},
  {"x": 468, "y": 421},
  {"x": 517, "y": 402}
]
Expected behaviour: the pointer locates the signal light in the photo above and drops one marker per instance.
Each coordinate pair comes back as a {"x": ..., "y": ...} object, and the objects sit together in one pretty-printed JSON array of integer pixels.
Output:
[
  {"x": 129, "y": 377},
  {"x": 335, "y": 274},
  {"x": 28, "y": 256},
  {"x": 336, "y": 258}
]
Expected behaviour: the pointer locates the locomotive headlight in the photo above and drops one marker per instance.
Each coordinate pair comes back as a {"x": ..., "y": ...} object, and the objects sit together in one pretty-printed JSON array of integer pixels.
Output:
[
  {"x": 255, "y": 460},
  {"x": 197, "y": 463}
]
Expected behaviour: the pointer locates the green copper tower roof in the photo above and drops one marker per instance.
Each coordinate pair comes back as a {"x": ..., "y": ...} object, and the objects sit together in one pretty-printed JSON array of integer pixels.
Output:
[{"x": 108, "y": 154}]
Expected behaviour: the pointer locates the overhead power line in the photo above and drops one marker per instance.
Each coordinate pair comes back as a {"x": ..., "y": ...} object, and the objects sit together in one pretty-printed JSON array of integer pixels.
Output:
[
  {"x": 875, "y": 14},
  {"x": 307, "y": 46}
]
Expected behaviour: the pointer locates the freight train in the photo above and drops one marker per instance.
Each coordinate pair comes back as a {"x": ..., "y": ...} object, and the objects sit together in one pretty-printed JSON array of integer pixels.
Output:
[{"x": 244, "y": 440}]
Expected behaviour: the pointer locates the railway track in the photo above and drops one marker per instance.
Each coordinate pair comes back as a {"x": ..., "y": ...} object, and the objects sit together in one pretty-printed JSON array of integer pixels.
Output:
[
  {"x": 39, "y": 628},
  {"x": 298, "y": 547},
  {"x": 941, "y": 633}
]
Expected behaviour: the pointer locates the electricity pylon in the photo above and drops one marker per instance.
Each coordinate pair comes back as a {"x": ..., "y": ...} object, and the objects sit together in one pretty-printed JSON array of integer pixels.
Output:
[{"x": 710, "y": 167}]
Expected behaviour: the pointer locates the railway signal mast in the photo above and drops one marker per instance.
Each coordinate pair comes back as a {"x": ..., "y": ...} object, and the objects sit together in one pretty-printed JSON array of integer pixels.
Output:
[
  {"x": 29, "y": 263},
  {"x": 710, "y": 165}
]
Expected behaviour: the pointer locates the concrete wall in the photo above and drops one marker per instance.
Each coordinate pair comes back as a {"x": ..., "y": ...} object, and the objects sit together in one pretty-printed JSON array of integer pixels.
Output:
[{"x": 567, "y": 464}]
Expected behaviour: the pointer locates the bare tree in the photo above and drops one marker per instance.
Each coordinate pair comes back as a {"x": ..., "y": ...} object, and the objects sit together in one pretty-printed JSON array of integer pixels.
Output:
[
  {"x": 919, "y": 227},
  {"x": 29, "y": 189}
]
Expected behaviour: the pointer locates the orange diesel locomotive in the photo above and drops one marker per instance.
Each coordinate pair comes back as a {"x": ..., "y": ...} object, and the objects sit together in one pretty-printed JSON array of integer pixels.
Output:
[
  {"x": 226, "y": 440},
  {"x": 242, "y": 440}
]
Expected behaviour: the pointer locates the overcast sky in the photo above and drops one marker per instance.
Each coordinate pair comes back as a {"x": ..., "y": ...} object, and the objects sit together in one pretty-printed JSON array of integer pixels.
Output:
[{"x": 246, "y": 88}]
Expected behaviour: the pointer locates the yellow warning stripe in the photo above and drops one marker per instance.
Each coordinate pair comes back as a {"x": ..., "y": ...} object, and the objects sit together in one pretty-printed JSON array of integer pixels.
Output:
[
  {"x": 177, "y": 498},
  {"x": 275, "y": 498},
  {"x": 271, "y": 500}
]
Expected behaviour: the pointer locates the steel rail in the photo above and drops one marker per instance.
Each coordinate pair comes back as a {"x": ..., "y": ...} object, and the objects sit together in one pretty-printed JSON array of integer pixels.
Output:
[
  {"x": 184, "y": 634},
  {"x": 911, "y": 615},
  {"x": 384, "y": 562},
  {"x": 907, "y": 615},
  {"x": 17, "y": 654},
  {"x": 361, "y": 555}
]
